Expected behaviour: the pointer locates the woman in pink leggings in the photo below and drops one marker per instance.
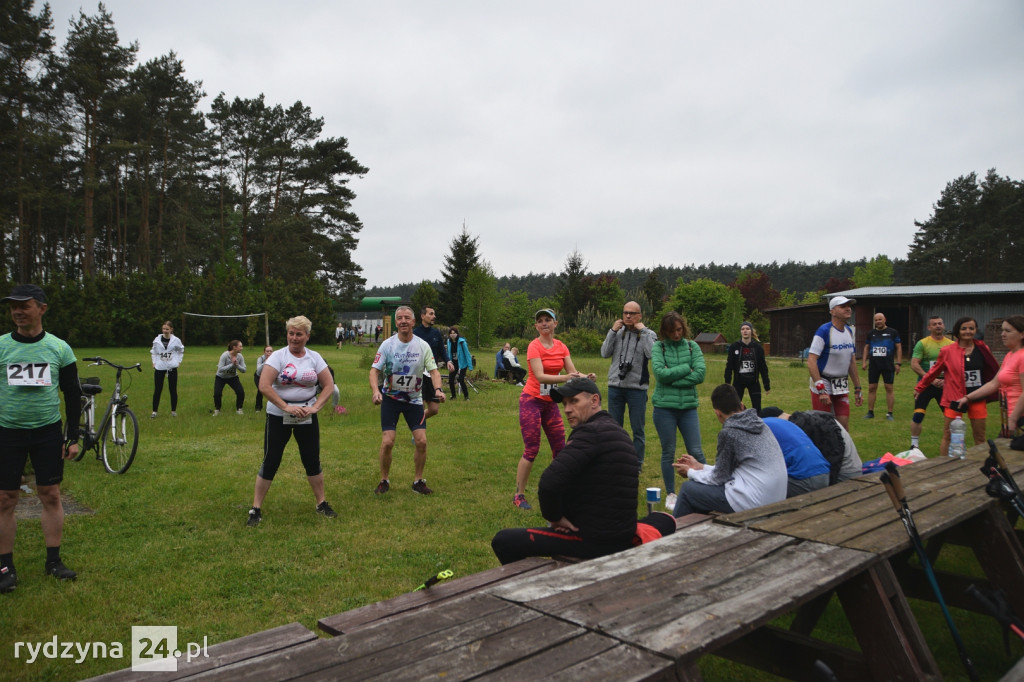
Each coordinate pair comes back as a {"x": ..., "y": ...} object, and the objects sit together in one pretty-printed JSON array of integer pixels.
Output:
[{"x": 546, "y": 358}]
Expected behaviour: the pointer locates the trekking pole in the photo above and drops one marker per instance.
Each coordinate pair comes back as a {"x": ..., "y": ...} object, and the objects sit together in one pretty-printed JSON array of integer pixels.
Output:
[
  {"x": 433, "y": 580},
  {"x": 995, "y": 604},
  {"x": 894, "y": 486},
  {"x": 1001, "y": 484}
]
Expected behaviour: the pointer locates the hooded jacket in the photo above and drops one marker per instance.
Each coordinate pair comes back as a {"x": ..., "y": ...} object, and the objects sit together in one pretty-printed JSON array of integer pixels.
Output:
[
  {"x": 749, "y": 463},
  {"x": 594, "y": 482}
]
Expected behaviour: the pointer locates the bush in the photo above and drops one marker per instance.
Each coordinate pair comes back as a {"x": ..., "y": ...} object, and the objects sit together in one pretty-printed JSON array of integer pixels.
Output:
[{"x": 582, "y": 341}]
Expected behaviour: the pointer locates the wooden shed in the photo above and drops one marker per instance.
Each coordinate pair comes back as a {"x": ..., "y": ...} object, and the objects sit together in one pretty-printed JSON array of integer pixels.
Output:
[{"x": 711, "y": 342}]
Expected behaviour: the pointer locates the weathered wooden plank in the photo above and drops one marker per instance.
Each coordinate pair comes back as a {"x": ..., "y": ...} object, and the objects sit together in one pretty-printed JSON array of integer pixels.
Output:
[
  {"x": 589, "y": 657},
  {"x": 471, "y": 654},
  {"x": 385, "y": 642},
  {"x": 596, "y": 602},
  {"x": 673, "y": 547},
  {"x": 224, "y": 653},
  {"x": 691, "y": 623},
  {"x": 364, "y": 615}
]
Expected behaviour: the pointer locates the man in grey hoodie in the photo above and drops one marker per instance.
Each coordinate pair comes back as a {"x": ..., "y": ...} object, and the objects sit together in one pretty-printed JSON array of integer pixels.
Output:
[
  {"x": 628, "y": 343},
  {"x": 749, "y": 469}
]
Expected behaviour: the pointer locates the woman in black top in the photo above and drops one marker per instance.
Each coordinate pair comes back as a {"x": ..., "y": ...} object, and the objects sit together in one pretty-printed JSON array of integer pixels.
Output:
[{"x": 744, "y": 363}]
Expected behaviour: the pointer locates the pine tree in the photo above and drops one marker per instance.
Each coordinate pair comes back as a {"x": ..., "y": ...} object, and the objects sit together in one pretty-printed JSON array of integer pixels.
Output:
[{"x": 457, "y": 264}]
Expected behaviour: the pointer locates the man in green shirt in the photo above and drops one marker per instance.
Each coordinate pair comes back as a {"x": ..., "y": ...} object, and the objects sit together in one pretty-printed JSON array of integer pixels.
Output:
[
  {"x": 926, "y": 352},
  {"x": 35, "y": 367}
]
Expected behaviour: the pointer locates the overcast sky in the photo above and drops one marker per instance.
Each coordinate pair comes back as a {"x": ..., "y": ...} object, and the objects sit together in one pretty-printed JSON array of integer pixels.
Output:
[{"x": 646, "y": 133}]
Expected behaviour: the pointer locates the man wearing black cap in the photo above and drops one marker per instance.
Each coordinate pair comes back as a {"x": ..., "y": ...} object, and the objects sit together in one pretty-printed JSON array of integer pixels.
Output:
[
  {"x": 588, "y": 493},
  {"x": 35, "y": 365}
]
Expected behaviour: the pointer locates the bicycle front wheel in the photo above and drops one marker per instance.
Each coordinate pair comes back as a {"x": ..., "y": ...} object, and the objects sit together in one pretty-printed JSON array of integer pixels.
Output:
[{"x": 120, "y": 441}]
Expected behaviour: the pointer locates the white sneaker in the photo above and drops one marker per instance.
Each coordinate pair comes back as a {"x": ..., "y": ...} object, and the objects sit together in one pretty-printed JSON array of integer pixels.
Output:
[
  {"x": 153, "y": 416},
  {"x": 240, "y": 411},
  {"x": 670, "y": 501},
  {"x": 216, "y": 412},
  {"x": 174, "y": 414}
]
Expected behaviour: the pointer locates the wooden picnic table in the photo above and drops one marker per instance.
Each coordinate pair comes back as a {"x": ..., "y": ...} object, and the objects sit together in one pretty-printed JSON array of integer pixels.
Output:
[{"x": 949, "y": 504}]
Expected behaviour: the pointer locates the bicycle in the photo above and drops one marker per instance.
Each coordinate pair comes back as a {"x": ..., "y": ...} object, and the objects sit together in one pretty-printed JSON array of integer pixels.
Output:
[{"x": 117, "y": 438}]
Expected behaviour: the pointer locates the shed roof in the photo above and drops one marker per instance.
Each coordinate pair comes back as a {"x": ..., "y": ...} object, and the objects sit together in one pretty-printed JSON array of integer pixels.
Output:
[
  {"x": 982, "y": 289},
  {"x": 709, "y": 337}
]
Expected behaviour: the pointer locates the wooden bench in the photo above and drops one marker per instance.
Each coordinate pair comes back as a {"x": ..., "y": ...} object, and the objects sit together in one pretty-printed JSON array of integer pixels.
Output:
[
  {"x": 256, "y": 647},
  {"x": 355, "y": 619}
]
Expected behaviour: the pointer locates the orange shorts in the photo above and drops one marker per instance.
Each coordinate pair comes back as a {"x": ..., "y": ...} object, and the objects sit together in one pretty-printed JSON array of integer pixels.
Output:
[{"x": 975, "y": 410}]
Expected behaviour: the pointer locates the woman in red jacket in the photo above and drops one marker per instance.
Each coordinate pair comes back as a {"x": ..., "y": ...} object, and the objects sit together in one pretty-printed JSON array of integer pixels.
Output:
[{"x": 968, "y": 364}]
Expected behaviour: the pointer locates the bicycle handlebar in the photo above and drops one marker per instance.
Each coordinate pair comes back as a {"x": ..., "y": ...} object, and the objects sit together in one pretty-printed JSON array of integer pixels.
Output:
[{"x": 100, "y": 361}]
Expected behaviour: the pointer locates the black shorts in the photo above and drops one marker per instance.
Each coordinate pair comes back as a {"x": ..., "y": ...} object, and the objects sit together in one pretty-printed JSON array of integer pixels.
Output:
[
  {"x": 429, "y": 394},
  {"x": 933, "y": 392},
  {"x": 44, "y": 446},
  {"x": 391, "y": 409},
  {"x": 875, "y": 371}
]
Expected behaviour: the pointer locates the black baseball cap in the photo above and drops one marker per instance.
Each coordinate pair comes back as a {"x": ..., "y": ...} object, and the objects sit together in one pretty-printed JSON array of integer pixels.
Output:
[
  {"x": 24, "y": 292},
  {"x": 574, "y": 386}
]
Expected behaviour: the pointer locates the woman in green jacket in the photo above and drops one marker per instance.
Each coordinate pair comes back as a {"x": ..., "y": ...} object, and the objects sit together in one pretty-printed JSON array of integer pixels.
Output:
[{"x": 678, "y": 365}]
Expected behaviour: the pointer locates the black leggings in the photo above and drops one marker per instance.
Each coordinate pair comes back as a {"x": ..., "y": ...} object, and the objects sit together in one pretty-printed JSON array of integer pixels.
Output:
[
  {"x": 259, "y": 394},
  {"x": 277, "y": 434},
  {"x": 236, "y": 386},
  {"x": 513, "y": 544},
  {"x": 755, "y": 394},
  {"x": 460, "y": 376},
  {"x": 172, "y": 387}
]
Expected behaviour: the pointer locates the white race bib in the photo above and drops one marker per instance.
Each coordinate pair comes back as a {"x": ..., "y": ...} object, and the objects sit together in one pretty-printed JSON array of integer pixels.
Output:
[
  {"x": 879, "y": 351},
  {"x": 292, "y": 420},
  {"x": 972, "y": 378},
  {"x": 746, "y": 367},
  {"x": 839, "y": 385},
  {"x": 405, "y": 383},
  {"x": 29, "y": 374},
  {"x": 545, "y": 389}
]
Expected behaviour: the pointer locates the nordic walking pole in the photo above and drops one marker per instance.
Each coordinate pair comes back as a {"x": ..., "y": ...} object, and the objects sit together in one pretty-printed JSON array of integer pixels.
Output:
[
  {"x": 434, "y": 579},
  {"x": 1001, "y": 484},
  {"x": 894, "y": 486}
]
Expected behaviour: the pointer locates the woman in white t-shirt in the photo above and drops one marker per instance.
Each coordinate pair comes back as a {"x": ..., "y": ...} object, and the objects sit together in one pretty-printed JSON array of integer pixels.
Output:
[
  {"x": 288, "y": 380},
  {"x": 167, "y": 352}
]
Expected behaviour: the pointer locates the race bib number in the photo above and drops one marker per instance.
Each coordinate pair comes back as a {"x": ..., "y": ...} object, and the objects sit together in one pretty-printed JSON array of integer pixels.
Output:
[
  {"x": 746, "y": 367},
  {"x": 972, "y": 378},
  {"x": 405, "y": 383},
  {"x": 879, "y": 351},
  {"x": 166, "y": 356},
  {"x": 29, "y": 374},
  {"x": 839, "y": 385},
  {"x": 545, "y": 389},
  {"x": 292, "y": 420}
]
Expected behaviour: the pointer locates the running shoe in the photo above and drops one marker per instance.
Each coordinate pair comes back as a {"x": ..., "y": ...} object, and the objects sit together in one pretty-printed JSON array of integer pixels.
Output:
[
  {"x": 240, "y": 411},
  {"x": 255, "y": 516},
  {"x": 382, "y": 487},
  {"x": 520, "y": 501},
  {"x": 173, "y": 413},
  {"x": 420, "y": 487},
  {"x": 8, "y": 579},
  {"x": 324, "y": 509},
  {"x": 670, "y": 501},
  {"x": 869, "y": 415},
  {"x": 59, "y": 571},
  {"x": 216, "y": 412},
  {"x": 153, "y": 416},
  {"x": 889, "y": 417}
]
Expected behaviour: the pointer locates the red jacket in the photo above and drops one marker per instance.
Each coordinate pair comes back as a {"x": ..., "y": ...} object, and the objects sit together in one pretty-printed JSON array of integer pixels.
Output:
[{"x": 951, "y": 361}]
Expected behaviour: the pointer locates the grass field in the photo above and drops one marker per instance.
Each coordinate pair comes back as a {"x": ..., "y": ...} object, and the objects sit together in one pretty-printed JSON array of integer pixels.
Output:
[{"x": 167, "y": 544}]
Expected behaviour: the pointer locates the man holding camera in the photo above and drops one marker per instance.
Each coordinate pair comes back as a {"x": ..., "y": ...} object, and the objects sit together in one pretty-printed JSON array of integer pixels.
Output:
[{"x": 629, "y": 343}]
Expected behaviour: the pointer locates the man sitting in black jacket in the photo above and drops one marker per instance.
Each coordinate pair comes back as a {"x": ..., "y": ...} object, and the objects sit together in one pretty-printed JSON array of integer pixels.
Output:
[{"x": 588, "y": 493}]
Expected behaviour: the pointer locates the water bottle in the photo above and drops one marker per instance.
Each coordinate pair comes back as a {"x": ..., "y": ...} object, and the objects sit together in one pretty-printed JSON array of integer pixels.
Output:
[{"x": 957, "y": 431}]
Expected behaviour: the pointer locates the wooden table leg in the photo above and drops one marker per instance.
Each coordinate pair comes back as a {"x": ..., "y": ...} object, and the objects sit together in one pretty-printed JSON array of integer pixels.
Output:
[
  {"x": 1000, "y": 554},
  {"x": 893, "y": 646}
]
